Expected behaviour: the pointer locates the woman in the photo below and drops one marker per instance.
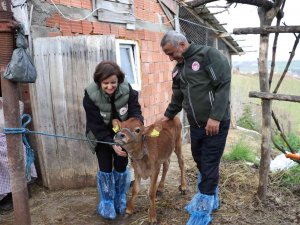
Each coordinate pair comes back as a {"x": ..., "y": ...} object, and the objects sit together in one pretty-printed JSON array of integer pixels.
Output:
[{"x": 110, "y": 97}]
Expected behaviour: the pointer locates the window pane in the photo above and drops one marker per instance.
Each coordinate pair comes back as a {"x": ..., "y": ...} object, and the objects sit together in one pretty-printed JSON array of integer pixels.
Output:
[{"x": 126, "y": 65}]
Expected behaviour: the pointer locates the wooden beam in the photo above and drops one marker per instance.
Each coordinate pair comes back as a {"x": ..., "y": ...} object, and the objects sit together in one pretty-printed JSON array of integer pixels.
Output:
[
  {"x": 271, "y": 96},
  {"x": 259, "y": 3},
  {"x": 267, "y": 30}
]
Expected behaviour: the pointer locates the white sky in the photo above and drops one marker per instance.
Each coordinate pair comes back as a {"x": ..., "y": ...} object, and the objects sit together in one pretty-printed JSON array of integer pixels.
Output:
[{"x": 242, "y": 16}]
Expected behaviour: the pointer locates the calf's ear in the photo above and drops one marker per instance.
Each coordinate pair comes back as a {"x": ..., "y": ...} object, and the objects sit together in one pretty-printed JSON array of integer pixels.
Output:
[
  {"x": 153, "y": 130},
  {"x": 116, "y": 125}
]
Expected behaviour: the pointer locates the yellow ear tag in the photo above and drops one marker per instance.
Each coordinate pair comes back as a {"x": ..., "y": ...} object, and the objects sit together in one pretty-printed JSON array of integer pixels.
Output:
[
  {"x": 116, "y": 128},
  {"x": 154, "y": 133}
]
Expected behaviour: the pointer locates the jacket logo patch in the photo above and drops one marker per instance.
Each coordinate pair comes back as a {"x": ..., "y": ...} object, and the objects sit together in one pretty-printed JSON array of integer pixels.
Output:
[
  {"x": 123, "y": 110},
  {"x": 103, "y": 114},
  {"x": 195, "y": 66},
  {"x": 174, "y": 74}
]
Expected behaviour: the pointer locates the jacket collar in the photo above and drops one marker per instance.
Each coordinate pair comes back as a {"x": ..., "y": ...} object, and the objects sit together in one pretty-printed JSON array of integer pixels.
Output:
[{"x": 189, "y": 51}]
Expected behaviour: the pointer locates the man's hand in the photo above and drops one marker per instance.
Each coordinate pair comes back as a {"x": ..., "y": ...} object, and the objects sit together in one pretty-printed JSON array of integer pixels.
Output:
[
  {"x": 212, "y": 127},
  {"x": 119, "y": 151}
]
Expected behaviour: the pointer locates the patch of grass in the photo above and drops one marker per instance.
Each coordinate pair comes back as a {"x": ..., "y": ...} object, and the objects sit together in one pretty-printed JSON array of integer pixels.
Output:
[
  {"x": 241, "y": 152},
  {"x": 293, "y": 140},
  {"x": 246, "y": 120},
  {"x": 287, "y": 112},
  {"x": 291, "y": 177}
]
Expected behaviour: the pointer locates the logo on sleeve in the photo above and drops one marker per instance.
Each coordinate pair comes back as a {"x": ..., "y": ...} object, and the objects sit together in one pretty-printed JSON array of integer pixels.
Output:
[
  {"x": 195, "y": 66},
  {"x": 123, "y": 110}
]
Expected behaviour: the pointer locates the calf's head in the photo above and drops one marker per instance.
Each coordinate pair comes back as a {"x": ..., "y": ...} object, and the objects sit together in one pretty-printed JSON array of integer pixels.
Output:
[{"x": 130, "y": 134}]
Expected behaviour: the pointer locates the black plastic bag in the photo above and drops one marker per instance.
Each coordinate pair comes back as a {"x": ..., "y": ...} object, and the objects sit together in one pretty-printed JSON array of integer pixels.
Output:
[{"x": 20, "y": 68}]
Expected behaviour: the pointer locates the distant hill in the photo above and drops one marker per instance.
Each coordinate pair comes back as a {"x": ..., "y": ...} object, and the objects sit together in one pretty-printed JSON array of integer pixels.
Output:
[{"x": 252, "y": 67}]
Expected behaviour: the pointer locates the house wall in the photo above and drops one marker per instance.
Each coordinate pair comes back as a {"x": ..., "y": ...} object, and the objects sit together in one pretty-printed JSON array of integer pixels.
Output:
[{"x": 156, "y": 68}]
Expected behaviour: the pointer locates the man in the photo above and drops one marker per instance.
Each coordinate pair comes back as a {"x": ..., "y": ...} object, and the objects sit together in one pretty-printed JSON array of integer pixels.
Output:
[{"x": 201, "y": 86}]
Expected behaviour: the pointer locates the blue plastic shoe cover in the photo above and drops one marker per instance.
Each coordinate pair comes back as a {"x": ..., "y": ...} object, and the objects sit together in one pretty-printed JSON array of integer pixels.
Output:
[
  {"x": 121, "y": 184},
  {"x": 200, "y": 208},
  {"x": 216, "y": 196},
  {"x": 106, "y": 188},
  {"x": 128, "y": 181},
  {"x": 216, "y": 200},
  {"x": 198, "y": 218}
]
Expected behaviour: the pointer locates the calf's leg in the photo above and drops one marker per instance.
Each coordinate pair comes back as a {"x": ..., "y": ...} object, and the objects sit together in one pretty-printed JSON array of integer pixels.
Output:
[
  {"x": 135, "y": 191},
  {"x": 178, "y": 152},
  {"x": 152, "y": 194},
  {"x": 161, "y": 185}
]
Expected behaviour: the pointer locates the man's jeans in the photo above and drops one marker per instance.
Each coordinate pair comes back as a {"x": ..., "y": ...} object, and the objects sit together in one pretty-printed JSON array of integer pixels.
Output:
[{"x": 207, "y": 152}]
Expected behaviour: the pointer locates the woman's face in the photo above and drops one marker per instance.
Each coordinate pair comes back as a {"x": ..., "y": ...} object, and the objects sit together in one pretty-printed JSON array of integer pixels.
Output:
[{"x": 110, "y": 84}]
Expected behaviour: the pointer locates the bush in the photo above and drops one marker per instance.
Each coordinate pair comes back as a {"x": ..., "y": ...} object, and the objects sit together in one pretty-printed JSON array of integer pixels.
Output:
[
  {"x": 291, "y": 177},
  {"x": 241, "y": 151},
  {"x": 293, "y": 140},
  {"x": 246, "y": 120}
]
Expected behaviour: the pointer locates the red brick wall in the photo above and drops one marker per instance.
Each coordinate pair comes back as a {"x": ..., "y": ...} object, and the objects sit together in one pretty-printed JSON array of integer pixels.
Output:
[{"x": 155, "y": 66}]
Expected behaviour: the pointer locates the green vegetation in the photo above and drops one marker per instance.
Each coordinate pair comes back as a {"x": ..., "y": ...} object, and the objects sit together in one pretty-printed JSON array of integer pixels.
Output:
[
  {"x": 286, "y": 112},
  {"x": 246, "y": 120},
  {"x": 293, "y": 140},
  {"x": 291, "y": 177},
  {"x": 241, "y": 151}
]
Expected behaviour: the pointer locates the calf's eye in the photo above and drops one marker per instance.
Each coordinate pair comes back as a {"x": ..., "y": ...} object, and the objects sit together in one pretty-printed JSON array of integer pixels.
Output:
[{"x": 137, "y": 130}]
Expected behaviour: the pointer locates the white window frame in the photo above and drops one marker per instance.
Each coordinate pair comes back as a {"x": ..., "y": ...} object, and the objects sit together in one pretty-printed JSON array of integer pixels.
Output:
[{"x": 134, "y": 59}]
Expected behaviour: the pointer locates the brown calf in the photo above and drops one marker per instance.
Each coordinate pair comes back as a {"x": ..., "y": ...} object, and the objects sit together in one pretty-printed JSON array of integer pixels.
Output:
[{"x": 148, "y": 148}]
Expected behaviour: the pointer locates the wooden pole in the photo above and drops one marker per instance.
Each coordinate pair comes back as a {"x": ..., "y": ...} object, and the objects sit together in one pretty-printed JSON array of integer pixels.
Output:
[
  {"x": 267, "y": 30},
  {"x": 11, "y": 111},
  {"x": 271, "y": 96},
  {"x": 266, "y": 120}
]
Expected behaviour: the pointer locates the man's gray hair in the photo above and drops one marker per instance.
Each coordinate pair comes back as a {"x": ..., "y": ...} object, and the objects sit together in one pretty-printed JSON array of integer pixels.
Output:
[{"x": 172, "y": 37}]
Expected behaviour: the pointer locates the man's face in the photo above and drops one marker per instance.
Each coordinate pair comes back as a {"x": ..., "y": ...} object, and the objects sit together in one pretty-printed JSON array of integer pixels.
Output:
[{"x": 174, "y": 53}]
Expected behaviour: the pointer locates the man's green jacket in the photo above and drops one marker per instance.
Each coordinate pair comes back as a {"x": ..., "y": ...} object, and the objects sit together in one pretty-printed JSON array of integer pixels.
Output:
[{"x": 201, "y": 85}]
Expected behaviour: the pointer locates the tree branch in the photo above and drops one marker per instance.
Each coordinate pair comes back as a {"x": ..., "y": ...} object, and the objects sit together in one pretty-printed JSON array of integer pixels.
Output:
[
  {"x": 279, "y": 17},
  {"x": 267, "y": 29},
  {"x": 259, "y": 3},
  {"x": 282, "y": 133},
  {"x": 288, "y": 63}
]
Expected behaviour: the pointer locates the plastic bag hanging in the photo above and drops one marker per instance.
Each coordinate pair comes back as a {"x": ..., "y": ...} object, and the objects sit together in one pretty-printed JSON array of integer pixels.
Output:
[{"x": 20, "y": 68}]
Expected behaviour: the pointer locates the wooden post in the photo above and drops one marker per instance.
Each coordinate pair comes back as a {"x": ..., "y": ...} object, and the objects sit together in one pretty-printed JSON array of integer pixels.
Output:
[{"x": 11, "y": 111}]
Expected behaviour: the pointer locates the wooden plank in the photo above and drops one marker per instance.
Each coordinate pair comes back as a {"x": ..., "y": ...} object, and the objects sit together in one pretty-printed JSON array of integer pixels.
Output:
[
  {"x": 87, "y": 64},
  {"x": 267, "y": 30},
  {"x": 43, "y": 115},
  {"x": 271, "y": 96},
  {"x": 171, "y": 4},
  {"x": 115, "y": 12},
  {"x": 120, "y": 1}
]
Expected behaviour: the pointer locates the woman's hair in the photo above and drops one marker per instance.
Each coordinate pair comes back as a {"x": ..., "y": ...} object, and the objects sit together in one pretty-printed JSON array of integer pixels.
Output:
[{"x": 107, "y": 68}]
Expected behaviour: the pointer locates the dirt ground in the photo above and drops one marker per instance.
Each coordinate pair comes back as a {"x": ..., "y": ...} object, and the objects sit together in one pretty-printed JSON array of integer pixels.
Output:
[{"x": 238, "y": 186}]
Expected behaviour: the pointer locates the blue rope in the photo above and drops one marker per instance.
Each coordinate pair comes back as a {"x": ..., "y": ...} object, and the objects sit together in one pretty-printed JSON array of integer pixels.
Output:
[
  {"x": 29, "y": 151},
  {"x": 22, "y": 130}
]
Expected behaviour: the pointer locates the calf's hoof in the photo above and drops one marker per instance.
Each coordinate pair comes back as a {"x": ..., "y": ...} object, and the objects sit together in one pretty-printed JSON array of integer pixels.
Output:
[
  {"x": 182, "y": 191},
  {"x": 126, "y": 215},
  {"x": 152, "y": 221}
]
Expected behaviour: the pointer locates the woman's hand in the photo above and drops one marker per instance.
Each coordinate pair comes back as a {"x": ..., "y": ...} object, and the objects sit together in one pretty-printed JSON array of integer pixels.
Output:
[{"x": 118, "y": 150}]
